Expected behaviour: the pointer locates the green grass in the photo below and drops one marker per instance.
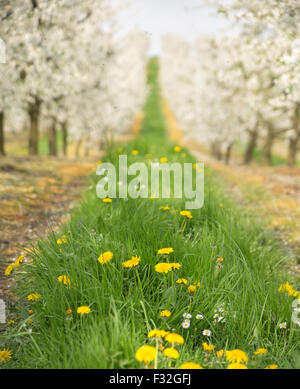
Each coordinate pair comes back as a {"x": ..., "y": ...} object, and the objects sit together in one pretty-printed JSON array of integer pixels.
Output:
[{"x": 125, "y": 303}]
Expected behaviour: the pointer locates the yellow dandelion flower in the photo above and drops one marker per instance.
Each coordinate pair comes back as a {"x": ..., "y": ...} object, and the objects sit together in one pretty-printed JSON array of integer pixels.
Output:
[
  {"x": 107, "y": 200},
  {"x": 177, "y": 149},
  {"x": 9, "y": 269},
  {"x": 158, "y": 334},
  {"x": 261, "y": 351},
  {"x": 134, "y": 152},
  {"x": 181, "y": 281},
  {"x": 166, "y": 208},
  {"x": 190, "y": 365},
  {"x": 220, "y": 259},
  {"x": 145, "y": 354},
  {"x": 11, "y": 322},
  {"x": 148, "y": 155},
  {"x": 165, "y": 251},
  {"x": 221, "y": 205},
  {"x": 175, "y": 265},
  {"x": 237, "y": 366},
  {"x": 208, "y": 347},
  {"x": 163, "y": 160},
  {"x": 191, "y": 288},
  {"x": 272, "y": 367},
  {"x": 186, "y": 214},
  {"x": 236, "y": 356},
  {"x": 63, "y": 279},
  {"x": 33, "y": 297},
  {"x": 83, "y": 310},
  {"x": 220, "y": 353},
  {"x": 69, "y": 311},
  {"x": 165, "y": 313},
  {"x": 29, "y": 320},
  {"x": 174, "y": 338},
  {"x": 134, "y": 261},
  {"x": 105, "y": 257},
  {"x": 163, "y": 267},
  {"x": 62, "y": 240},
  {"x": 287, "y": 288},
  {"x": 5, "y": 355},
  {"x": 30, "y": 311},
  {"x": 171, "y": 352},
  {"x": 20, "y": 260}
]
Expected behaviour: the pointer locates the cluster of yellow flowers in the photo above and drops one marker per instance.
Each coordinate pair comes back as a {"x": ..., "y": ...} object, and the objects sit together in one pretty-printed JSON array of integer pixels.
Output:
[
  {"x": 62, "y": 240},
  {"x": 186, "y": 214},
  {"x": 17, "y": 263},
  {"x": 166, "y": 267},
  {"x": 64, "y": 280},
  {"x": 147, "y": 354},
  {"x": 287, "y": 288}
]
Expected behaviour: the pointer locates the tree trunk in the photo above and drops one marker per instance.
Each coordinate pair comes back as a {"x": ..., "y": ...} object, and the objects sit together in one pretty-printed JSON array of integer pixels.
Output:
[
  {"x": 267, "y": 150},
  {"x": 77, "y": 151},
  {"x": 228, "y": 153},
  {"x": 34, "y": 113},
  {"x": 65, "y": 138},
  {"x": 216, "y": 150},
  {"x": 2, "y": 150},
  {"x": 294, "y": 141},
  {"x": 52, "y": 139},
  {"x": 251, "y": 146}
]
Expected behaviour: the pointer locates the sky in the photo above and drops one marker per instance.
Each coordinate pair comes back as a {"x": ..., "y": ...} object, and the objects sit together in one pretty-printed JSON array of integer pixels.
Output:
[{"x": 187, "y": 18}]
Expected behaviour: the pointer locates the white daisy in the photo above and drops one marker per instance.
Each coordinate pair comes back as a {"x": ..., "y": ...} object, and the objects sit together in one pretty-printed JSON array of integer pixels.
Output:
[
  {"x": 206, "y": 332},
  {"x": 282, "y": 325},
  {"x": 199, "y": 317},
  {"x": 186, "y": 324}
]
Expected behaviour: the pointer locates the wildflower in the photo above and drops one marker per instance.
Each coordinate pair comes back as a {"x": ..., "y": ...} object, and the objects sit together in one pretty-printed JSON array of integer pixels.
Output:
[
  {"x": 69, "y": 311},
  {"x": 33, "y": 296},
  {"x": 165, "y": 251},
  {"x": 29, "y": 320},
  {"x": 288, "y": 289},
  {"x": 171, "y": 352},
  {"x": 208, "y": 347},
  {"x": 236, "y": 356},
  {"x": 9, "y": 269},
  {"x": 166, "y": 208},
  {"x": 282, "y": 325},
  {"x": 187, "y": 315},
  {"x": 199, "y": 317},
  {"x": 165, "y": 313},
  {"x": 220, "y": 259},
  {"x": 148, "y": 155},
  {"x": 190, "y": 365},
  {"x": 165, "y": 267},
  {"x": 107, "y": 200},
  {"x": 30, "y": 311},
  {"x": 186, "y": 324},
  {"x": 206, "y": 333},
  {"x": 272, "y": 367},
  {"x": 134, "y": 152},
  {"x": 177, "y": 149},
  {"x": 64, "y": 280},
  {"x": 261, "y": 351},
  {"x": 181, "y": 281},
  {"x": 11, "y": 323},
  {"x": 221, "y": 205},
  {"x": 62, "y": 240},
  {"x": 120, "y": 150},
  {"x": 105, "y": 257},
  {"x": 5, "y": 355},
  {"x": 220, "y": 353},
  {"x": 145, "y": 354},
  {"x": 186, "y": 214},
  {"x": 237, "y": 366},
  {"x": 158, "y": 334},
  {"x": 134, "y": 261},
  {"x": 99, "y": 163},
  {"x": 83, "y": 310},
  {"x": 164, "y": 160},
  {"x": 161, "y": 347},
  {"x": 20, "y": 260},
  {"x": 191, "y": 288},
  {"x": 174, "y": 338}
]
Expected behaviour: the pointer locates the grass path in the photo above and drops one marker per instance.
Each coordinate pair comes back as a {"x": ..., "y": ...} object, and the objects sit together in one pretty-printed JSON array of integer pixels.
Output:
[{"x": 228, "y": 265}]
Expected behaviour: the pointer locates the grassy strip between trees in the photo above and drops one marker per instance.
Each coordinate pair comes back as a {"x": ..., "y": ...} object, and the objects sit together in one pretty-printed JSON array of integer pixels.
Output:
[{"x": 125, "y": 303}]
